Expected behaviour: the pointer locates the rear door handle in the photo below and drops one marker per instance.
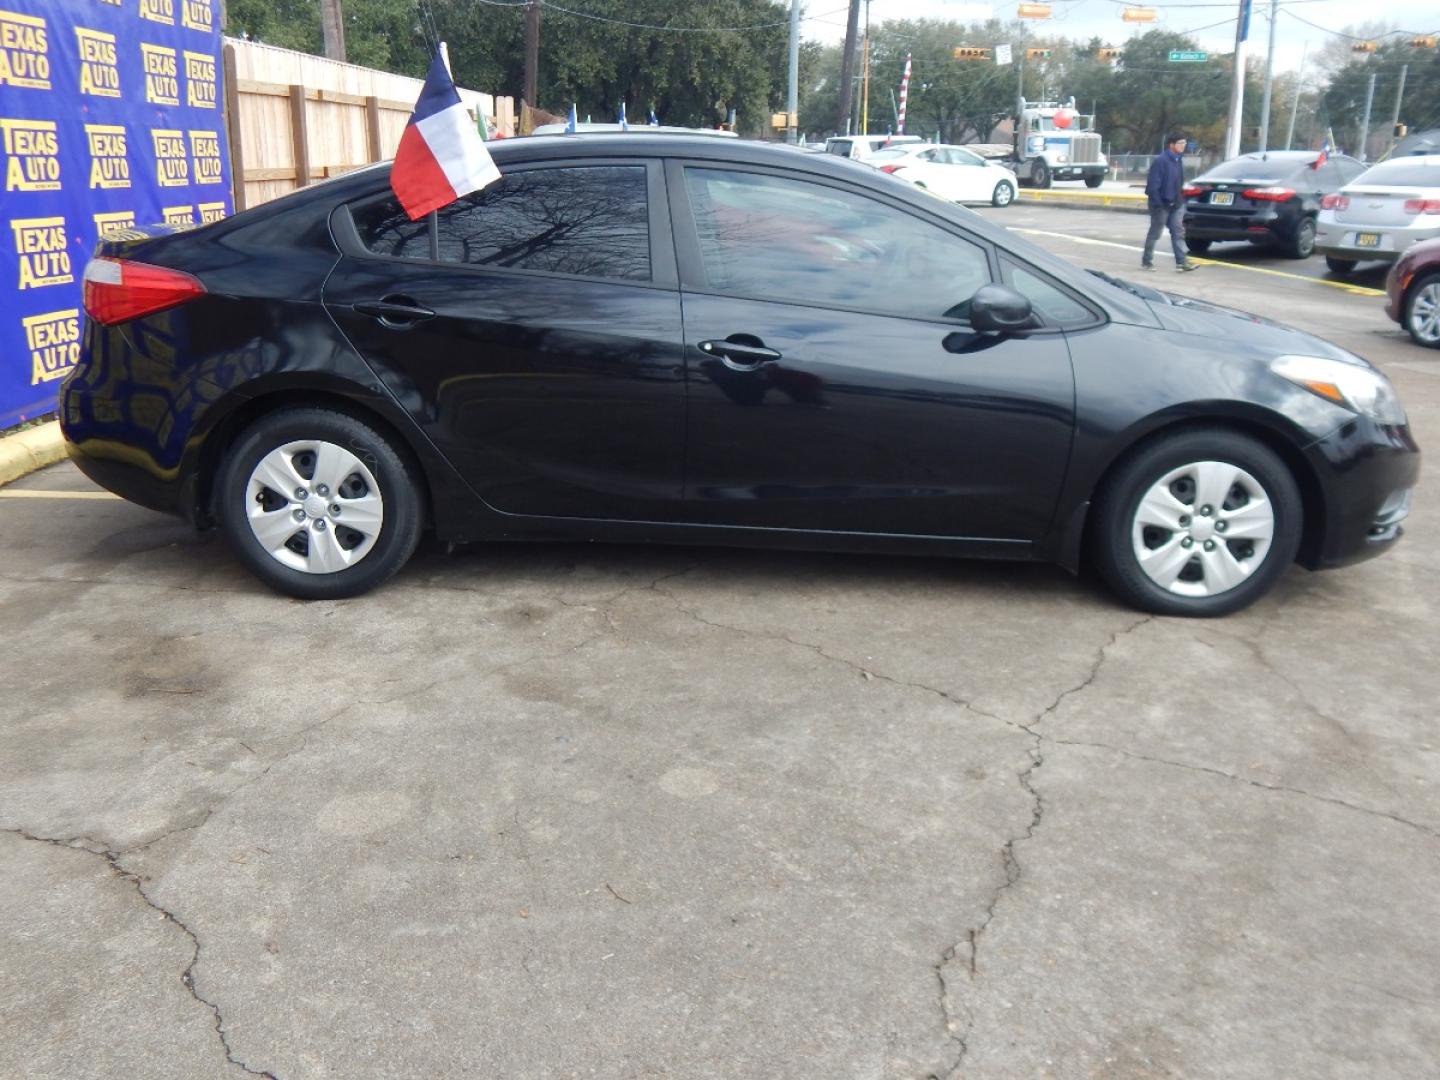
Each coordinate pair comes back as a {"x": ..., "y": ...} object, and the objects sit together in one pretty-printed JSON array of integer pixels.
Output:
[
  {"x": 395, "y": 311},
  {"x": 741, "y": 356}
]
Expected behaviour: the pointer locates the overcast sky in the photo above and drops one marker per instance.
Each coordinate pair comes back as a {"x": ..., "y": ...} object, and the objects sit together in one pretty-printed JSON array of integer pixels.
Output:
[{"x": 1087, "y": 18}]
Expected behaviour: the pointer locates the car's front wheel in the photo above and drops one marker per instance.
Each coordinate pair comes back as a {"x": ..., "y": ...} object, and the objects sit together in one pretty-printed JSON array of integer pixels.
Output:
[
  {"x": 1004, "y": 194},
  {"x": 1199, "y": 523},
  {"x": 318, "y": 504},
  {"x": 1422, "y": 311}
]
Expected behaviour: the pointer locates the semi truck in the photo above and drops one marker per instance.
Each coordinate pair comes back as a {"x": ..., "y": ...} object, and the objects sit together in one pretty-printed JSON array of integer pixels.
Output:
[{"x": 1054, "y": 141}]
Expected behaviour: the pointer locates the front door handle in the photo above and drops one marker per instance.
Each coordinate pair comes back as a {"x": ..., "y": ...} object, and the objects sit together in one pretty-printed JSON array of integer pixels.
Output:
[
  {"x": 396, "y": 312},
  {"x": 745, "y": 354}
]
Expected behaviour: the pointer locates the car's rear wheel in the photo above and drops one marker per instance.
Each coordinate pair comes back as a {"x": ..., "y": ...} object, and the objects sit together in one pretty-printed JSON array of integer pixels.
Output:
[
  {"x": 1422, "y": 311},
  {"x": 1302, "y": 244},
  {"x": 1004, "y": 194},
  {"x": 1339, "y": 266},
  {"x": 1200, "y": 523},
  {"x": 1198, "y": 247},
  {"x": 318, "y": 504}
]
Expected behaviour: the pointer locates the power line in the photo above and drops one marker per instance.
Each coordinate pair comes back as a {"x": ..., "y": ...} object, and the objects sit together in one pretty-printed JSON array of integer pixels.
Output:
[
  {"x": 673, "y": 29},
  {"x": 1352, "y": 37}
]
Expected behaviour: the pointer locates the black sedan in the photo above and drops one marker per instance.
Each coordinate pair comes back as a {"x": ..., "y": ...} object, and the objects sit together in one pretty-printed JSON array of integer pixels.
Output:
[
  {"x": 699, "y": 341},
  {"x": 1271, "y": 198}
]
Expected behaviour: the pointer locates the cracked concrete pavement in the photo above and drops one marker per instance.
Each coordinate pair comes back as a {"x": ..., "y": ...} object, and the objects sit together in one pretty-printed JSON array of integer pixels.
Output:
[{"x": 587, "y": 811}]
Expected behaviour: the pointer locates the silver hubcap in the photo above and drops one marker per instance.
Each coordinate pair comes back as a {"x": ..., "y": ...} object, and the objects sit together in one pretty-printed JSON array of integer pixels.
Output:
[
  {"x": 1002, "y": 194},
  {"x": 314, "y": 506},
  {"x": 1425, "y": 314},
  {"x": 1203, "y": 528}
]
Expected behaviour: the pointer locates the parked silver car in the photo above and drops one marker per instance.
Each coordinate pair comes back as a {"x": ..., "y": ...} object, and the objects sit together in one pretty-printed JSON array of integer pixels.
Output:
[{"x": 1380, "y": 213}]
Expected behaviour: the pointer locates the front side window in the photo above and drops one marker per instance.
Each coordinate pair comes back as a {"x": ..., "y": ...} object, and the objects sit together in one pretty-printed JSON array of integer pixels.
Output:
[
  {"x": 774, "y": 238},
  {"x": 592, "y": 221},
  {"x": 1054, "y": 306}
]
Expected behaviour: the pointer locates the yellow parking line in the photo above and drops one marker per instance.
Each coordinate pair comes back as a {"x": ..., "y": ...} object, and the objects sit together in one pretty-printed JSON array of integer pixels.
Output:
[
  {"x": 31, "y": 493},
  {"x": 1355, "y": 290}
]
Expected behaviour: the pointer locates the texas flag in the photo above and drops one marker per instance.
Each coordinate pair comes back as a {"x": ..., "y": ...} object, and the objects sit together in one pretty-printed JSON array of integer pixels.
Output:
[{"x": 441, "y": 155}]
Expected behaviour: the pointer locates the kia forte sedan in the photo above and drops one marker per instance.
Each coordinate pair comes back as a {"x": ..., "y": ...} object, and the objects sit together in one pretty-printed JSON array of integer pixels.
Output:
[{"x": 708, "y": 341}]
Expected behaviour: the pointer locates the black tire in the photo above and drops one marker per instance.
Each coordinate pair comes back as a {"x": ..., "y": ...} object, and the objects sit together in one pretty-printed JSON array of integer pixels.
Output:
[
  {"x": 1118, "y": 500},
  {"x": 1004, "y": 194},
  {"x": 1094, "y": 181},
  {"x": 1428, "y": 286},
  {"x": 1198, "y": 247},
  {"x": 399, "y": 491},
  {"x": 1302, "y": 244},
  {"x": 1339, "y": 266},
  {"x": 1040, "y": 175}
]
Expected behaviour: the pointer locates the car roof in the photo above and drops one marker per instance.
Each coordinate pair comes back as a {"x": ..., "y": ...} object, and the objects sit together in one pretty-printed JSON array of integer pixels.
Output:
[{"x": 648, "y": 129}]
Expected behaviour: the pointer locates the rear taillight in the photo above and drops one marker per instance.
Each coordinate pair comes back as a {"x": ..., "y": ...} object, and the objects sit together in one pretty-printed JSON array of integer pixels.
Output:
[
  {"x": 118, "y": 290},
  {"x": 1270, "y": 194},
  {"x": 1335, "y": 202},
  {"x": 1422, "y": 206},
  {"x": 891, "y": 168},
  {"x": 1191, "y": 190}
]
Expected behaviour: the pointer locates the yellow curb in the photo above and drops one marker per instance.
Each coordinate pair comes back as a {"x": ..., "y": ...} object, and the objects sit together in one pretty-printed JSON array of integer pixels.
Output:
[
  {"x": 1086, "y": 199},
  {"x": 31, "y": 493},
  {"x": 31, "y": 449}
]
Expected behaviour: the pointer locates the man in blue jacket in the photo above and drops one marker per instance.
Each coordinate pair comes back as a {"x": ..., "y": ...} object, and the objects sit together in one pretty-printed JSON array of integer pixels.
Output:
[{"x": 1167, "y": 205}]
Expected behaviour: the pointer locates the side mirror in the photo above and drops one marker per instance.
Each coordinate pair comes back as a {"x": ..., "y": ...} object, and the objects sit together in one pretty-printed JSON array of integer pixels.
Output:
[{"x": 1000, "y": 309}]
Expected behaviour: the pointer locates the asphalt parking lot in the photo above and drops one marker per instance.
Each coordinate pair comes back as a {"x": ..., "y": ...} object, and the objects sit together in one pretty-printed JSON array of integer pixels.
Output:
[{"x": 553, "y": 811}]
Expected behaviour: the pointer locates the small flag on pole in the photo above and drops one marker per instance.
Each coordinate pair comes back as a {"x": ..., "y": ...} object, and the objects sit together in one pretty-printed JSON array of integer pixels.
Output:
[
  {"x": 904, "y": 92},
  {"x": 441, "y": 156},
  {"x": 1325, "y": 151},
  {"x": 624, "y": 124},
  {"x": 570, "y": 122}
]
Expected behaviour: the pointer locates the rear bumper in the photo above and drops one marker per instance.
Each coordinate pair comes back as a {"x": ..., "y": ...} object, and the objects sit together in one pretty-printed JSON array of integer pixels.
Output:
[
  {"x": 1332, "y": 238},
  {"x": 1368, "y": 472}
]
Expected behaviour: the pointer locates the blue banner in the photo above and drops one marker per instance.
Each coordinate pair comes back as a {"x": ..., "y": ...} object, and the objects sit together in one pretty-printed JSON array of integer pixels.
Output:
[{"x": 110, "y": 117}]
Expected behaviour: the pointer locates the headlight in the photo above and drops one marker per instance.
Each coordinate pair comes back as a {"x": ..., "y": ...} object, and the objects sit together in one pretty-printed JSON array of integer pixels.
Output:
[{"x": 1361, "y": 389}]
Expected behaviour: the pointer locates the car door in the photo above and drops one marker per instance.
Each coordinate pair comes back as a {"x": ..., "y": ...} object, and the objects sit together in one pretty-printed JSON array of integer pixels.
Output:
[
  {"x": 930, "y": 170},
  {"x": 971, "y": 177},
  {"x": 533, "y": 331},
  {"x": 836, "y": 384}
]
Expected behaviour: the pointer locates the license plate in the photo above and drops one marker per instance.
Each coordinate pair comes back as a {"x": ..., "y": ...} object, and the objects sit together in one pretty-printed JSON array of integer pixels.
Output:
[
  {"x": 1222, "y": 198},
  {"x": 1367, "y": 239}
]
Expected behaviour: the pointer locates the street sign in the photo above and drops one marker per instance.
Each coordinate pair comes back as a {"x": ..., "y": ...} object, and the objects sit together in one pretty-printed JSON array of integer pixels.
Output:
[
  {"x": 1002, "y": 54},
  {"x": 1180, "y": 57}
]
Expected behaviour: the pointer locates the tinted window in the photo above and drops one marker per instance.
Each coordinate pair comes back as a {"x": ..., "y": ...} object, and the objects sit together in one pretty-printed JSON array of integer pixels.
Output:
[
  {"x": 1256, "y": 168},
  {"x": 781, "y": 239},
  {"x": 839, "y": 146},
  {"x": 1053, "y": 305},
  {"x": 592, "y": 221},
  {"x": 1402, "y": 173},
  {"x": 387, "y": 230}
]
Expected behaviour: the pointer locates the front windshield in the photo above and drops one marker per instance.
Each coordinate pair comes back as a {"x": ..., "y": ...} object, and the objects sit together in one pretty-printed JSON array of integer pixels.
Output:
[{"x": 1078, "y": 122}]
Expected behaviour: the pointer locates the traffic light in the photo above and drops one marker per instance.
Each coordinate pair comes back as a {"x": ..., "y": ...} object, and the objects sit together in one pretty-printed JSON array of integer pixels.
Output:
[
  {"x": 1107, "y": 54},
  {"x": 1138, "y": 14},
  {"x": 1037, "y": 54},
  {"x": 966, "y": 52},
  {"x": 1033, "y": 11},
  {"x": 1423, "y": 42},
  {"x": 1363, "y": 46}
]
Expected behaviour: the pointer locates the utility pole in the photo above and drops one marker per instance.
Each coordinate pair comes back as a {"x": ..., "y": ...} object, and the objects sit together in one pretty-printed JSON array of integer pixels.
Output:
[
  {"x": 1365, "y": 123},
  {"x": 1269, "y": 79},
  {"x": 1295, "y": 104},
  {"x": 792, "y": 99},
  {"x": 847, "y": 70},
  {"x": 1237, "y": 83},
  {"x": 532, "y": 52},
  {"x": 865, "y": 83},
  {"x": 1395, "y": 120},
  {"x": 332, "y": 26}
]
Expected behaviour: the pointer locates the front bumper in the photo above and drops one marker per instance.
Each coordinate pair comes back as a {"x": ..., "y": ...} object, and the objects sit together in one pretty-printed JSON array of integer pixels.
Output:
[
  {"x": 1392, "y": 241},
  {"x": 1077, "y": 172},
  {"x": 1367, "y": 473}
]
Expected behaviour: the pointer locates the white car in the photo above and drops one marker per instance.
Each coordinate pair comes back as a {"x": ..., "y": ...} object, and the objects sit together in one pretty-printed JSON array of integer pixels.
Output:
[
  {"x": 951, "y": 172},
  {"x": 862, "y": 146},
  {"x": 1380, "y": 213}
]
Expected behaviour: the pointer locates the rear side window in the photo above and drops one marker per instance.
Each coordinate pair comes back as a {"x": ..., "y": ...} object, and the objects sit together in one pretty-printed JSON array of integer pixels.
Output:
[
  {"x": 590, "y": 221},
  {"x": 1402, "y": 173}
]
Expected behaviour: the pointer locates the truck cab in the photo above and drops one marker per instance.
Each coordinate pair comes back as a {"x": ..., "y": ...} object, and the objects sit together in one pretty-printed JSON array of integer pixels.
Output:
[{"x": 1054, "y": 141}]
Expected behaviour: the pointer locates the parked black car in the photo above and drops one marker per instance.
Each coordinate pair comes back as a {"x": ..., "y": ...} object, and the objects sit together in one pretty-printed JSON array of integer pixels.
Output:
[
  {"x": 1270, "y": 198},
  {"x": 710, "y": 341}
]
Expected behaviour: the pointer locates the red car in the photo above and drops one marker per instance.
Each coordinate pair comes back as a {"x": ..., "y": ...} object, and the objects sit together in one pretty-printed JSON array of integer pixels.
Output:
[{"x": 1412, "y": 291}]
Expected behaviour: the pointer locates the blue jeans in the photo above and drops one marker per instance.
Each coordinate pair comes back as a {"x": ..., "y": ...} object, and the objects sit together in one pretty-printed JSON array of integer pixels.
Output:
[{"x": 1161, "y": 217}]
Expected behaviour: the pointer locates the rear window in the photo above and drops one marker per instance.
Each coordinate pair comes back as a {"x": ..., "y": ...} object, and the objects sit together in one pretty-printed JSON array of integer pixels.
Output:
[
  {"x": 1402, "y": 173},
  {"x": 838, "y": 146},
  {"x": 1254, "y": 168}
]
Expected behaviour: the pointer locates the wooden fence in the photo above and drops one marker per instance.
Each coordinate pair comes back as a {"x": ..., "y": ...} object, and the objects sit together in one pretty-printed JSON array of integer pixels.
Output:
[{"x": 293, "y": 118}]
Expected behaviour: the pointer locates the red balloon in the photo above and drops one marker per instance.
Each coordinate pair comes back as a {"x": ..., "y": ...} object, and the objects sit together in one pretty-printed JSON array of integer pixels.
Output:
[{"x": 1063, "y": 118}]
